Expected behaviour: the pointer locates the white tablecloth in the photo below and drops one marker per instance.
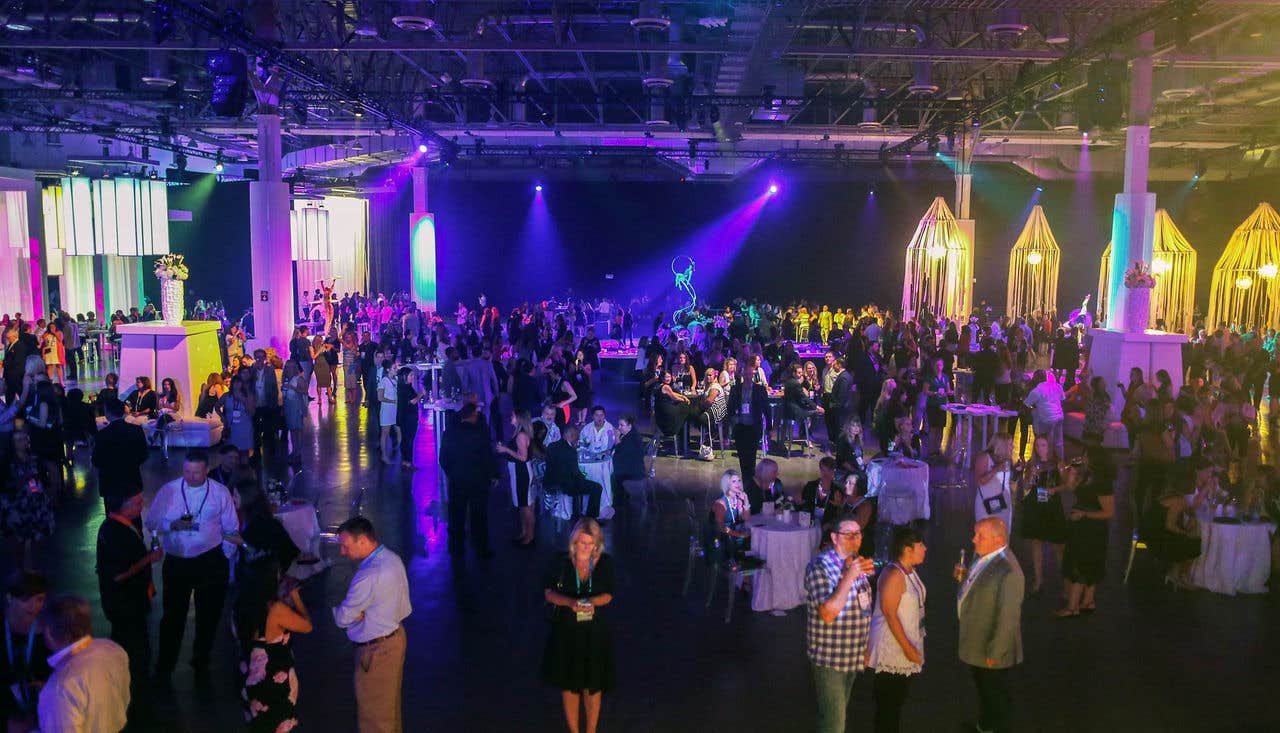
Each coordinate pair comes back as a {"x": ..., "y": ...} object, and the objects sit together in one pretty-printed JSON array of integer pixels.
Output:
[
  {"x": 602, "y": 473},
  {"x": 1234, "y": 558},
  {"x": 786, "y": 549},
  {"x": 901, "y": 487},
  {"x": 300, "y": 522}
]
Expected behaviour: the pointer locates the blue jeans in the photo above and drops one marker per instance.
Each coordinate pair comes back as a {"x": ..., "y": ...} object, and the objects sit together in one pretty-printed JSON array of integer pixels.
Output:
[{"x": 833, "y": 697}]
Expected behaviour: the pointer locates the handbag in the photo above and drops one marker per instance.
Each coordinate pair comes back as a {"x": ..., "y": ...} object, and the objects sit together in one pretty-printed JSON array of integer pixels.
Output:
[{"x": 705, "y": 453}]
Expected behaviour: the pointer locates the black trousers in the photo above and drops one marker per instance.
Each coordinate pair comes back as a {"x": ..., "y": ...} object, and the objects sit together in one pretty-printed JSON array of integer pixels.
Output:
[
  {"x": 474, "y": 500},
  {"x": 206, "y": 577},
  {"x": 890, "y": 691},
  {"x": 993, "y": 698},
  {"x": 370, "y": 387},
  {"x": 266, "y": 420},
  {"x": 746, "y": 440},
  {"x": 593, "y": 491},
  {"x": 129, "y": 630}
]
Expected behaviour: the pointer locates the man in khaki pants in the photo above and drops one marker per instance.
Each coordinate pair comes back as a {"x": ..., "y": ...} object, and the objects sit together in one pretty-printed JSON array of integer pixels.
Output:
[{"x": 377, "y": 601}]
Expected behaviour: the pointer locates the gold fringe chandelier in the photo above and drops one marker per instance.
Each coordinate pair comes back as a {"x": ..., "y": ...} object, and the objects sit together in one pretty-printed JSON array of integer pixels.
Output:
[
  {"x": 1173, "y": 262},
  {"x": 939, "y": 267},
  {"x": 1033, "y": 268},
  {"x": 1245, "y": 291}
]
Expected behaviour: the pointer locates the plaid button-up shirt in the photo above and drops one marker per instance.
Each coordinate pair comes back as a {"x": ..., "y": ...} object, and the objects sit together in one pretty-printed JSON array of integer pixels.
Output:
[{"x": 842, "y": 644}]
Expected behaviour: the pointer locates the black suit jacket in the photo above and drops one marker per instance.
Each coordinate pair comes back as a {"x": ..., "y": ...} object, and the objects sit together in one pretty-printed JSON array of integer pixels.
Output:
[
  {"x": 15, "y": 360},
  {"x": 842, "y": 394},
  {"x": 628, "y": 456},
  {"x": 756, "y": 395},
  {"x": 562, "y": 467},
  {"x": 467, "y": 455},
  {"x": 798, "y": 404},
  {"x": 119, "y": 451}
]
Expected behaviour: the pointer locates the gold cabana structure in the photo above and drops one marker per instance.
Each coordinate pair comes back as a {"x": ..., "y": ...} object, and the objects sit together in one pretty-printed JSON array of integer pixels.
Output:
[
  {"x": 1245, "y": 291},
  {"x": 1173, "y": 262},
  {"x": 939, "y": 270},
  {"x": 1033, "y": 268}
]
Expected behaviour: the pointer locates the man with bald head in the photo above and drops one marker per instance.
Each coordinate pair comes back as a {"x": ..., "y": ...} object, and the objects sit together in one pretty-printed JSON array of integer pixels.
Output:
[{"x": 989, "y": 604}]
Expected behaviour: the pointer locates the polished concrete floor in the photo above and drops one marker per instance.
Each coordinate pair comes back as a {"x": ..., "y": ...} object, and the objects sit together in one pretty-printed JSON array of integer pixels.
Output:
[{"x": 1150, "y": 659}]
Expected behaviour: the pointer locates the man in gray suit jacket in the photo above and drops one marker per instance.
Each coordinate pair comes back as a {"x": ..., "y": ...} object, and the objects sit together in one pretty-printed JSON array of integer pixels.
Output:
[{"x": 989, "y": 604}]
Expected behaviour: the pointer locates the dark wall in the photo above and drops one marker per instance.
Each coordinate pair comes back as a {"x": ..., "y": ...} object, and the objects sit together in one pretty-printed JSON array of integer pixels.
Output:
[{"x": 215, "y": 244}]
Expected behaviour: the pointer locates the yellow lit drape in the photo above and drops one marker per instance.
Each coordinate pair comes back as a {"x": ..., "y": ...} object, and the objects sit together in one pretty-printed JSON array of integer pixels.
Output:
[
  {"x": 1245, "y": 290},
  {"x": 1033, "y": 268},
  {"x": 1173, "y": 262},
  {"x": 939, "y": 266}
]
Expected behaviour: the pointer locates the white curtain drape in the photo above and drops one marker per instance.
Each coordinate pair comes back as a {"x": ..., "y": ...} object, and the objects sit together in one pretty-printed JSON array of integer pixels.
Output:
[
  {"x": 122, "y": 279},
  {"x": 76, "y": 286},
  {"x": 349, "y": 252}
]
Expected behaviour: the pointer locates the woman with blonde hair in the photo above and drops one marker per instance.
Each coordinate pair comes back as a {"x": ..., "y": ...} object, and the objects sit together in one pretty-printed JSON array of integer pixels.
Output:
[
  {"x": 992, "y": 473},
  {"x": 579, "y": 653}
]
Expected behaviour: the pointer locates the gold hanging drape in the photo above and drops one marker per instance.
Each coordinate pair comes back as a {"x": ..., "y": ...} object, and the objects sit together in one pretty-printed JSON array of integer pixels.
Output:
[
  {"x": 1173, "y": 262},
  {"x": 1033, "y": 268},
  {"x": 939, "y": 266},
  {"x": 1245, "y": 290}
]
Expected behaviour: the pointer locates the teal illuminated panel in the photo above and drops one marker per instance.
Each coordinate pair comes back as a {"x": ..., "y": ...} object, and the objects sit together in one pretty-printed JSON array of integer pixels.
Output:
[{"x": 422, "y": 249}]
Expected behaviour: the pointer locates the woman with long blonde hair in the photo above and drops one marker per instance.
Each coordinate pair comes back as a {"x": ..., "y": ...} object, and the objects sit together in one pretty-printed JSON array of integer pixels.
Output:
[{"x": 579, "y": 654}]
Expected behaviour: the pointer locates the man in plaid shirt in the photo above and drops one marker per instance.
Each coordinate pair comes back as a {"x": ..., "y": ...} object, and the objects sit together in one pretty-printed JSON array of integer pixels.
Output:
[{"x": 838, "y": 586}]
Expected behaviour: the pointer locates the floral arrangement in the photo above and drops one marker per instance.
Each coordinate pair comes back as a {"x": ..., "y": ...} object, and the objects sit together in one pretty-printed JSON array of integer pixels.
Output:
[
  {"x": 1139, "y": 276},
  {"x": 171, "y": 267},
  {"x": 783, "y": 503}
]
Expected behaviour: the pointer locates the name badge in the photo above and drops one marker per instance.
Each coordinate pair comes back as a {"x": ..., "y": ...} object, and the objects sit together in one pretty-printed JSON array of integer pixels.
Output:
[
  {"x": 864, "y": 599},
  {"x": 745, "y": 409},
  {"x": 1042, "y": 494},
  {"x": 584, "y": 613}
]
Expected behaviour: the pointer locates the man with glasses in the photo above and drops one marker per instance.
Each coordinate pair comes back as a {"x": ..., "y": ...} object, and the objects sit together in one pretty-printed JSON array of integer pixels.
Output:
[{"x": 837, "y": 584}]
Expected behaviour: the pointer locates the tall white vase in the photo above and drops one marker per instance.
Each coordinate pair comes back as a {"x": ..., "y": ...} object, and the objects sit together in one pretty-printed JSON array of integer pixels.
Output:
[
  {"x": 1137, "y": 310},
  {"x": 171, "y": 301}
]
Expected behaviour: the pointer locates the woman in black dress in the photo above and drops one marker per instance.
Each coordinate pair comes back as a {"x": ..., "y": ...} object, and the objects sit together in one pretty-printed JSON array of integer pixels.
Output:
[
  {"x": 670, "y": 408},
  {"x": 581, "y": 380},
  {"x": 517, "y": 451},
  {"x": 1084, "y": 560},
  {"x": 407, "y": 397},
  {"x": 1042, "y": 518},
  {"x": 263, "y": 622},
  {"x": 579, "y": 654}
]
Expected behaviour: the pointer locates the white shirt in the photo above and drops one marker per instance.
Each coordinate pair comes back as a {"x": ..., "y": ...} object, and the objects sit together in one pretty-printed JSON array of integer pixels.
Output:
[
  {"x": 88, "y": 691},
  {"x": 978, "y": 566},
  {"x": 1045, "y": 402},
  {"x": 377, "y": 599},
  {"x": 600, "y": 439},
  {"x": 210, "y": 506}
]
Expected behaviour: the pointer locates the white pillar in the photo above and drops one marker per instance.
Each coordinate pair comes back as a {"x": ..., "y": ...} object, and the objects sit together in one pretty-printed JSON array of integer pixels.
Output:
[
  {"x": 1133, "y": 221},
  {"x": 269, "y": 233}
]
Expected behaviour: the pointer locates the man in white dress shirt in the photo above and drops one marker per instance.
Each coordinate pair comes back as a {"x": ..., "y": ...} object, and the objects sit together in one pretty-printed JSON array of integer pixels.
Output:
[
  {"x": 598, "y": 435},
  {"x": 196, "y": 518},
  {"x": 377, "y": 601},
  {"x": 88, "y": 691}
]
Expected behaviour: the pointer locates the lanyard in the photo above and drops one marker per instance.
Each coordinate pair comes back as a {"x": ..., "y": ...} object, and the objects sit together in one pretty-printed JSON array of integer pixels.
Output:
[
  {"x": 915, "y": 583},
  {"x": 8, "y": 647},
  {"x": 591, "y": 569},
  {"x": 372, "y": 555},
  {"x": 187, "y": 506}
]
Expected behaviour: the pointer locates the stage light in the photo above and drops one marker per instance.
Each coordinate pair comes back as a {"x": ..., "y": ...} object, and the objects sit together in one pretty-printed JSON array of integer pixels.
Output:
[
  {"x": 773, "y": 189},
  {"x": 1039, "y": 189},
  {"x": 422, "y": 147},
  {"x": 217, "y": 162},
  {"x": 538, "y": 188}
]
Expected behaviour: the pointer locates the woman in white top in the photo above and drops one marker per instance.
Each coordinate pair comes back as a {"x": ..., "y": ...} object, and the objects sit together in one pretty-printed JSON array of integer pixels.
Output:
[
  {"x": 992, "y": 475},
  {"x": 387, "y": 411},
  {"x": 896, "y": 646}
]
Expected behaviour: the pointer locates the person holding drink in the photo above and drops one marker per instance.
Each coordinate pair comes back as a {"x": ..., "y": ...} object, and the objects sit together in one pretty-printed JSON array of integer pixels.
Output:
[
  {"x": 837, "y": 584},
  {"x": 989, "y": 606}
]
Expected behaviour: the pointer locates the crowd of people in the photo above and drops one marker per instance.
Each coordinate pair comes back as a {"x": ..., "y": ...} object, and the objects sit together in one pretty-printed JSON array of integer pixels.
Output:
[{"x": 521, "y": 390}]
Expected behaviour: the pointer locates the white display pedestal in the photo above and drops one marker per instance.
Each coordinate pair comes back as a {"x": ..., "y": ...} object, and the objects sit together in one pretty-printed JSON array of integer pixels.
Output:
[
  {"x": 188, "y": 353},
  {"x": 1113, "y": 353}
]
